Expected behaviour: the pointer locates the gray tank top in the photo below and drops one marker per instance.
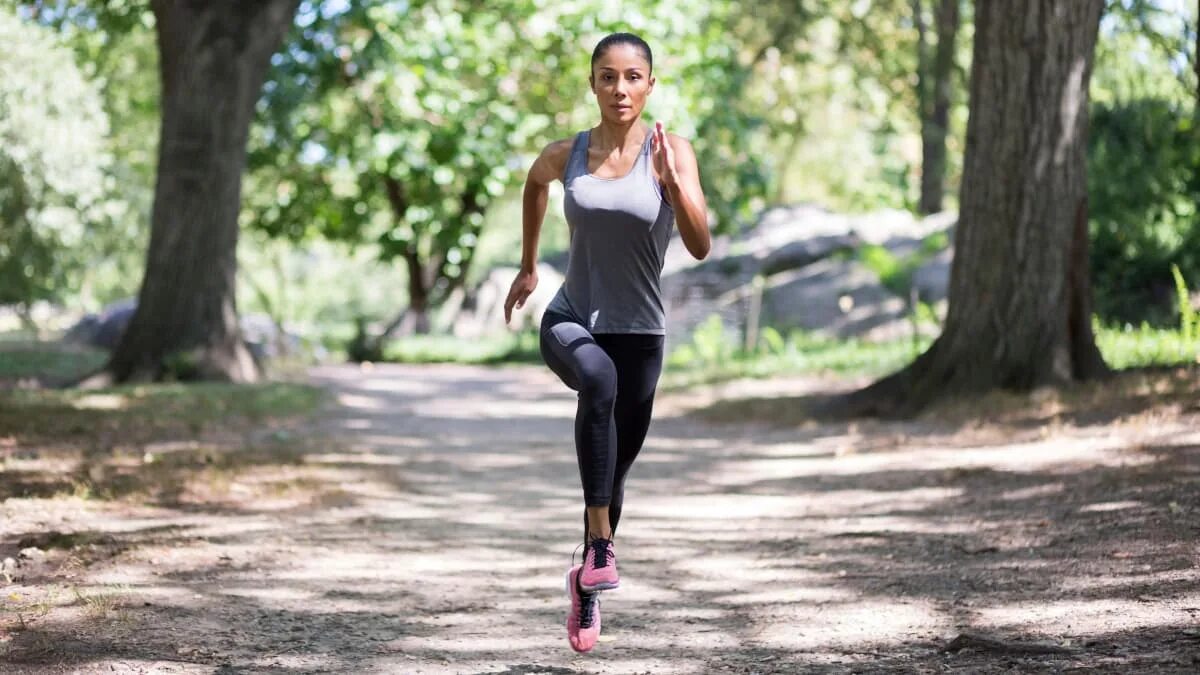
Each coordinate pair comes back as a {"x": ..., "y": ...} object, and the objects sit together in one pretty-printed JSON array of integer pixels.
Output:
[{"x": 619, "y": 228}]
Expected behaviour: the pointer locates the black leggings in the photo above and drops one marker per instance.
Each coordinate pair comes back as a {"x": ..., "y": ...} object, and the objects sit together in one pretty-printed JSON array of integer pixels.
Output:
[{"x": 616, "y": 375}]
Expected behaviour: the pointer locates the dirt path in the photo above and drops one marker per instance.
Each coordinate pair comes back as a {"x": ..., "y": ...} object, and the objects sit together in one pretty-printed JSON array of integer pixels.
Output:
[{"x": 431, "y": 531}]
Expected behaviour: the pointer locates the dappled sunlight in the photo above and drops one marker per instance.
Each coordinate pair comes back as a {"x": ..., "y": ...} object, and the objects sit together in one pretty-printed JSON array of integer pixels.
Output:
[
  {"x": 368, "y": 458},
  {"x": 1167, "y": 580},
  {"x": 358, "y": 401},
  {"x": 1089, "y": 618},
  {"x": 718, "y": 508},
  {"x": 1106, "y": 507},
  {"x": 784, "y": 592},
  {"x": 272, "y": 595},
  {"x": 437, "y": 542},
  {"x": 870, "y": 622},
  {"x": 383, "y": 441},
  {"x": 101, "y": 402},
  {"x": 483, "y": 408},
  {"x": 1046, "y": 490}
]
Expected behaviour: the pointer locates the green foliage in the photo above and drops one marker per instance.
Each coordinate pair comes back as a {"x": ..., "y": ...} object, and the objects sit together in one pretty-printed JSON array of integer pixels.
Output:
[
  {"x": 316, "y": 289},
  {"x": 896, "y": 272},
  {"x": 773, "y": 342},
  {"x": 28, "y": 360},
  {"x": 715, "y": 354},
  {"x": 800, "y": 353},
  {"x": 52, "y": 164},
  {"x": 115, "y": 47},
  {"x": 1143, "y": 161},
  {"x": 134, "y": 411},
  {"x": 1189, "y": 322},
  {"x": 890, "y": 270},
  {"x": 835, "y": 85},
  {"x": 712, "y": 344},
  {"x": 1144, "y": 185},
  {"x": 519, "y": 347},
  {"x": 1146, "y": 346},
  {"x": 1146, "y": 50},
  {"x": 373, "y": 131}
]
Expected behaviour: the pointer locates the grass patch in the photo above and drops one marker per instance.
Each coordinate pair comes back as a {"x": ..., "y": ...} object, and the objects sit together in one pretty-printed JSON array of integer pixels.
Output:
[
  {"x": 800, "y": 353},
  {"x": 715, "y": 354},
  {"x": 1144, "y": 347},
  {"x": 509, "y": 348},
  {"x": 99, "y": 602},
  {"x": 47, "y": 361},
  {"x": 144, "y": 412}
]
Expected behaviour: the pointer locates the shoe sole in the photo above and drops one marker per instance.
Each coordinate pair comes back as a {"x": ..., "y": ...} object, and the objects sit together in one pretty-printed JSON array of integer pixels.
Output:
[{"x": 607, "y": 586}]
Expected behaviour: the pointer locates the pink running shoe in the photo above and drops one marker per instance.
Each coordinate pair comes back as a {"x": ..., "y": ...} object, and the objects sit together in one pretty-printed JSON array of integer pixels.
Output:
[
  {"x": 599, "y": 567},
  {"x": 583, "y": 621}
]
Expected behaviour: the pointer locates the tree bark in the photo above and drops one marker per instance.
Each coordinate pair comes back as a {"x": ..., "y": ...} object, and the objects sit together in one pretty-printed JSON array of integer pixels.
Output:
[
  {"x": 419, "y": 288},
  {"x": 213, "y": 60},
  {"x": 933, "y": 94},
  {"x": 1019, "y": 312}
]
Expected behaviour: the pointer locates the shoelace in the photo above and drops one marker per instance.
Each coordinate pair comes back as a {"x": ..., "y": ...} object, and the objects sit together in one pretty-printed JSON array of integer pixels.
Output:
[
  {"x": 587, "y": 605},
  {"x": 602, "y": 552}
]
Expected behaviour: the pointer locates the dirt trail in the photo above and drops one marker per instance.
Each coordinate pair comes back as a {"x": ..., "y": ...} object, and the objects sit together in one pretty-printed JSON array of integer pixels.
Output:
[{"x": 435, "y": 538}]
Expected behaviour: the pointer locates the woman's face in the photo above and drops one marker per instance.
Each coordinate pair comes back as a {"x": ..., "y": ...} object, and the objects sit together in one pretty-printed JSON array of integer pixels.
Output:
[{"x": 621, "y": 81}]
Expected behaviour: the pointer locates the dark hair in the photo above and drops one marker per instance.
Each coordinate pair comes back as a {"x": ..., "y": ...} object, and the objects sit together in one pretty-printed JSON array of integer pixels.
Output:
[{"x": 623, "y": 39}]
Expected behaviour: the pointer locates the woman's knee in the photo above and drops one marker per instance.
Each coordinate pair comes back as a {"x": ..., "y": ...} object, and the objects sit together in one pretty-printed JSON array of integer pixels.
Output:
[{"x": 598, "y": 379}]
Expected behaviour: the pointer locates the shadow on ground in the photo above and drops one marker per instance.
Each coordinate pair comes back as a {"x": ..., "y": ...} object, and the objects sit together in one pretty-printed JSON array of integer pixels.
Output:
[{"x": 1067, "y": 542}]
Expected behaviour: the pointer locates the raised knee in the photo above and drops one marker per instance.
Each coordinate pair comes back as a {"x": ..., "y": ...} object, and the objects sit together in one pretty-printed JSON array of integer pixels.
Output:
[{"x": 599, "y": 382}]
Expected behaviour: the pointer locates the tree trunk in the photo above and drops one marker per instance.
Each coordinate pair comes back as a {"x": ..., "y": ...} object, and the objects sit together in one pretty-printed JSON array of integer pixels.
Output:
[
  {"x": 213, "y": 59},
  {"x": 1019, "y": 313},
  {"x": 933, "y": 93},
  {"x": 419, "y": 288}
]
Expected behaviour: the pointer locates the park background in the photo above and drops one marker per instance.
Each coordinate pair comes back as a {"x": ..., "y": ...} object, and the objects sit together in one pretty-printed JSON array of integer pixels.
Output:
[{"x": 285, "y": 187}]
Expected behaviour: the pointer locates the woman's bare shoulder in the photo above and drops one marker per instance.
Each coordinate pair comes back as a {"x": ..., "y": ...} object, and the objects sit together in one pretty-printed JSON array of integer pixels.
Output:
[{"x": 552, "y": 161}]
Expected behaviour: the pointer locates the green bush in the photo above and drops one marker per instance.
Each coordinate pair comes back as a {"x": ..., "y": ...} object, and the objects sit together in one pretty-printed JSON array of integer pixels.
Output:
[
  {"x": 1144, "y": 187},
  {"x": 509, "y": 348}
]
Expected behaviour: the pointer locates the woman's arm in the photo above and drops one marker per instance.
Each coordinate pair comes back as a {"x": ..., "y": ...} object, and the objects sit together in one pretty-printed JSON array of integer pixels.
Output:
[
  {"x": 547, "y": 168},
  {"x": 676, "y": 164}
]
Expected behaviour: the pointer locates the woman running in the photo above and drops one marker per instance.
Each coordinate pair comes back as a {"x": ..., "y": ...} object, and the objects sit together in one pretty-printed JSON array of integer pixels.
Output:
[{"x": 626, "y": 186}]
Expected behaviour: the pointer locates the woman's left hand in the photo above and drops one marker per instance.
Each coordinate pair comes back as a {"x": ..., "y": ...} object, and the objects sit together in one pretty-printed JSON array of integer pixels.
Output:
[{"x": 664, "y": 155}]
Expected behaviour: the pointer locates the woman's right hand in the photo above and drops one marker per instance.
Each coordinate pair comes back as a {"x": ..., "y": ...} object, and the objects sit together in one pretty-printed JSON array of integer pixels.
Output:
[{"x": 522, "y": 286}]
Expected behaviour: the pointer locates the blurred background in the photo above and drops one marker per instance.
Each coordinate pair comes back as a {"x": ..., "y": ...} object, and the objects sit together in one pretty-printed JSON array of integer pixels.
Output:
[{"x": 380, "y": 214}]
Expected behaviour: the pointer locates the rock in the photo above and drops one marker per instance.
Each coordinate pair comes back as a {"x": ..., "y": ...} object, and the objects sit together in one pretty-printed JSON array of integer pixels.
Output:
[
  {"x": 103, "y": 330},
  {"x": 32, "y": 553},
  {"x": 806, "y": 252},
  {"x": 809, "y": 285},
  {"x": 486, "y": 314},
  {"x": 932, "y": 280},
  {"x": 835, "y": 298},
  {"x": 263, "y": 337}
]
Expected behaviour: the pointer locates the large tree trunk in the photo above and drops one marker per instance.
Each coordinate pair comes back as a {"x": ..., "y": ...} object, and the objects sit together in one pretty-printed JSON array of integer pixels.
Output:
[
  {"x": 1019, "y": 314},
  {"x": 213, "y": 57},
  {"x": 933, "y": 95}
]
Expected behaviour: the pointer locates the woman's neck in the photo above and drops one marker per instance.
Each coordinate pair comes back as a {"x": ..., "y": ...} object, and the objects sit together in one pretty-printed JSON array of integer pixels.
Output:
[{"x": 608, "y": 136}]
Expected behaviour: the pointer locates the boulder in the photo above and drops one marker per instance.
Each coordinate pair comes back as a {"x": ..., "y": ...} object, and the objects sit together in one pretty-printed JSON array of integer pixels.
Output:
[
  {"x": 804, "y": 253},
  {"x": 834, "y": 298},
  {"x": 103, "y": 329},
  {"x": 932, "y": 279},
  {"x": 485, "y": 315}
]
